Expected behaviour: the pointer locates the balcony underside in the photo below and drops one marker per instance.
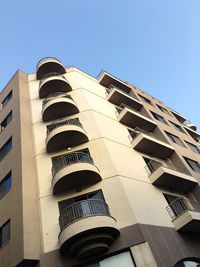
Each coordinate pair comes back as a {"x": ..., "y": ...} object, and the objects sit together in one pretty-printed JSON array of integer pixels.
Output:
[
  {"x": 172, "y": 179},
  {"x": 151, "y": 146},
  {"x": 52, "y": 85},
  {"x": 133, "y": 119},
  {"x": 65, "y": 137},
  {"x": 117, "y": 97},
  {"x": 75, "y": 176},
  {"x": 107, "y": 80},
  {"x": 88, "y": 237},
  {"x": 58, "y": 108},
  {"x": 49, "y": 66},
  {"x": 189, "y": 221}
]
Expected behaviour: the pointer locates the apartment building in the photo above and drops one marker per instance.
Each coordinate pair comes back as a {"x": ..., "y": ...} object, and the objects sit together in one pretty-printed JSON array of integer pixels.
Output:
[{"x": 95, "y": 172}]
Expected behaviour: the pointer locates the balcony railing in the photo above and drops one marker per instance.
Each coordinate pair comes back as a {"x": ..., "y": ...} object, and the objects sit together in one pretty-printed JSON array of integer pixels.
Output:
[
  {"x": 46, "y": 59},
  {"x": 181, "y": 205},
  {"x": 153, "y": 165},
  {"x": 122, "y": 106},
  {"x": 135, "y": 132},
  {"x": 81, "y": 209},
  {"x": 51, "y": 74},
  {"x": 54, "y": 96},
  {"x": 69, "y": 159},
  {"x": 55, "y": 125}
]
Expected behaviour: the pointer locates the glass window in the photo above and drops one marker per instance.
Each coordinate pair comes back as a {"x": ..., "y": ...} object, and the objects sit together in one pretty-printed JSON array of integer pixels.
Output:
[
  {"x": 177, "y": 127},
  {"x": 6, "y": 100},
  {"x": 6, "y": 121},
  {"x": 5, "y": 148},
  {"x": 194, "y": 165},
  {"x": 5, "y": 185},
  {"x": 163, "y": 109},
  {"x": 193, "y": 147},
  {"x": 4, "y": 233},
  {"x": 175, "y": 139},
  {"x": 146, "y": 100},
  {"x": 158, "y": 117},
  {"x": 121, "y": 260}
]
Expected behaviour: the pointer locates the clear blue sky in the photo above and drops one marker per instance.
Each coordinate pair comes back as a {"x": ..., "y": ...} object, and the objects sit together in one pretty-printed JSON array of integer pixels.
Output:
[{"x": 154, "y": 44}]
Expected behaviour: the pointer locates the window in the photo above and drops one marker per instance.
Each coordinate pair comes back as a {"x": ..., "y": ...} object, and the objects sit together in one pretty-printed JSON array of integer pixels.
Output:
[
  {"x": 4, "y": 233},
  {"x": 122, "y": 259},
  {"x": 5, "y": 185},
  {"x": 177, "y": 127},
  {"x": 6, "y": 121},
  {"x": 163, "y": 109},
  {"x": 194, "y": 165},
  {"x": 175, "y": 139},
  {"x": 6, "y": 148},
  {"x": 193, "y": 147},
  {"x": 146, "y": 100},
  {"x": 6, "y": 100},
  {"x": 158, "y": 117}
]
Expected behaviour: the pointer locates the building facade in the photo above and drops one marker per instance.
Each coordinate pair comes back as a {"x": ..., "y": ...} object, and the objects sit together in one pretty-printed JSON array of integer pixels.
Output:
[{"x": 95, "y": 172}]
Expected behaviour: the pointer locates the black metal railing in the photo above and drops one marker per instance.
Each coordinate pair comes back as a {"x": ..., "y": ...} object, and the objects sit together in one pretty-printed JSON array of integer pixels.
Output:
[
  {"x": 69, "y": 159},
  {"x": 136, "y": 131},
  {"x": 54, "y": 96},
  {"x": 122, "y": 106},
  {"x": 55, "y": 125},
  {"x": 181, "y": 205},
  {"x": 82, "y": 209},
  {"x": 153, "y": 165},
  {"x": 46, "y": 59}
]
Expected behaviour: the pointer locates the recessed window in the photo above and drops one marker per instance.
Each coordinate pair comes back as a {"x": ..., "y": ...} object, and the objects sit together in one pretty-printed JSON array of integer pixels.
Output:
[
  {"x": 144, "y": 99},
  {"x": 6, "y": 100},
  {"x": 6, "y": 121},
  {"x": 193, "y": 147},
  {"x": 177, "y": 127},
  {"x": 158, "y": 117},
  {"x": 122, "y": 259},
  {"x": 6, "y": 148},
  {"x": 194, "y": 165},
  {"x": 5, "y": 184},
  {"x": 163, "y": 109},
  {"x": 4, "y": 233},
  {"x": 175, "y": 139}
]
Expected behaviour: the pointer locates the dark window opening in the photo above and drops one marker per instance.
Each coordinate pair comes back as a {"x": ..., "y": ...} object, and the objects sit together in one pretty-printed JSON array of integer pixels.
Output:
[
  {"x": 6, "y": 148},
  {"x": 5, "y": 184},
  {"x": 6, "y": 121},
  {"x": 158, "y": 117},
  {"x": 194, "y": 165},
  {"x": 6, "y": 100},
  {"x": 4, "y": 233}
]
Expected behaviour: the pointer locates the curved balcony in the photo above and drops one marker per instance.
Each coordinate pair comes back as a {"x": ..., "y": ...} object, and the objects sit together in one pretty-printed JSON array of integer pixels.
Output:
[
  {"x": 87, "y": 229},
  {"x": 73, "y": 171},
  {"x": 65, "y": 134},
  {"x": 48, "y": 65},
  {"x": 58, "y": 105},
  {"x": 53, "y": 83}
]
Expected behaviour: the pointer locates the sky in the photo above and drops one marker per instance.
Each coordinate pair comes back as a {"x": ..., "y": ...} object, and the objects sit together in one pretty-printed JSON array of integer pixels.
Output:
[{"x": 154, "y": 44}]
